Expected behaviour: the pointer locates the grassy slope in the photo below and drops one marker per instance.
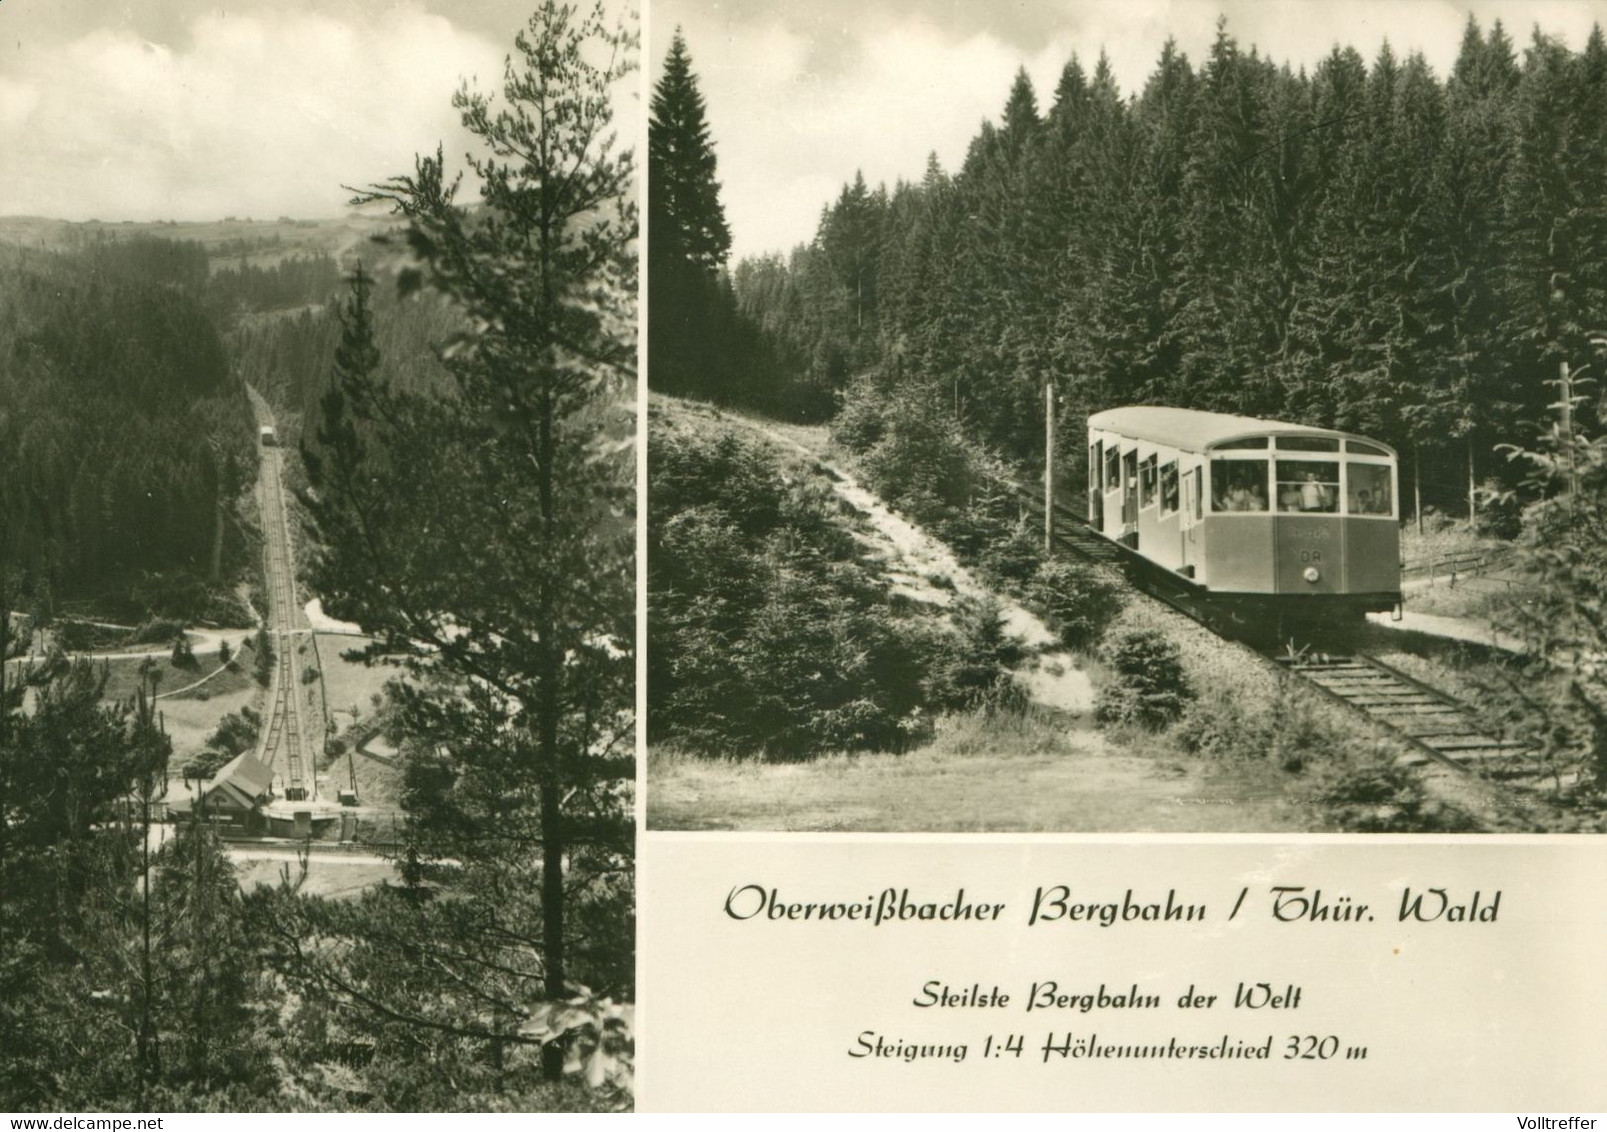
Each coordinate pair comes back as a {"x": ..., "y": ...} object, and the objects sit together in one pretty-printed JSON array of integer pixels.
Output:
[{"x": 977, "y": 775}]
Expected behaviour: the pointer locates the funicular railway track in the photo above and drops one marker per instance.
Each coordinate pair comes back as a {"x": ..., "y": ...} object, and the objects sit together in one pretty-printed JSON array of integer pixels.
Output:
[
  {"x": 284, "y": 734},
  {"x": 1437, "y": 726}
]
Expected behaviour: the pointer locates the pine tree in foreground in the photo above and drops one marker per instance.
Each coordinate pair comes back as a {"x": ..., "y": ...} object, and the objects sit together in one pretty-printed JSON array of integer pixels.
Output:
[{"x": 484, "y": 536}]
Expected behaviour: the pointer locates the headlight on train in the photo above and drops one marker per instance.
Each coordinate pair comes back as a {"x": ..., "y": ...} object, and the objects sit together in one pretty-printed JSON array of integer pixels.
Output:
[{"x": 1312, "y": 574}]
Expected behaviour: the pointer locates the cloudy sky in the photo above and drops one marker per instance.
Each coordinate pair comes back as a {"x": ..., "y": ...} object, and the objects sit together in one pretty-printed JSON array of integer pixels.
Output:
[
  {"x": 199, "y": 109},
  {"x": 801, "y": 93}
]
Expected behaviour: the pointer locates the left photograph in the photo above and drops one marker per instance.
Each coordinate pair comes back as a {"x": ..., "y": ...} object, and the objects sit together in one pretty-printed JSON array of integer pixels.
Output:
[{"x": 317, "y": 556}]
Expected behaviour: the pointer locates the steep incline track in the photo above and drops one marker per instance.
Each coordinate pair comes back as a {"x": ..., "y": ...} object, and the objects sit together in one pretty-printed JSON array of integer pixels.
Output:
[
  {"x": 285, "y": 741},
  {"x": 1438, "y": 727}
]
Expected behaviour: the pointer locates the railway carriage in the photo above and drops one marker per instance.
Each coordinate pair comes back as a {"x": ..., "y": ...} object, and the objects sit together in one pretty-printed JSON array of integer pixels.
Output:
[{"x": 1262, "y": 517}]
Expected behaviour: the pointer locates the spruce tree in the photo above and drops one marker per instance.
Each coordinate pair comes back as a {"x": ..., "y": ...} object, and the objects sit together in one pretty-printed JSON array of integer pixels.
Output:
[
  {"x": 688, "y": 239},
  {"x": 685, "y": 219},
  {"x": 1468, "y": 380}
]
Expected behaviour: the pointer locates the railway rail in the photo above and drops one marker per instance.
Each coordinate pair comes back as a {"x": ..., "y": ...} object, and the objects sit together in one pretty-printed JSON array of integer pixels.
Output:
[
  {"x": 285, "y": 734},
  {"x": 1437, "y": 727}
]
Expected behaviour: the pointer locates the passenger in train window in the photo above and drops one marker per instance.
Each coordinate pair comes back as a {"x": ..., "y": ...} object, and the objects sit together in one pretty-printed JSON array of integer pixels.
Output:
[
  {"x": 1313, "y": 495},
  {"x": 1307, "y": 487},
  {"x": 1369, "y": 489},
  {"x": 1242, "y": 483},
  {"x": 1246, "y": 497}
]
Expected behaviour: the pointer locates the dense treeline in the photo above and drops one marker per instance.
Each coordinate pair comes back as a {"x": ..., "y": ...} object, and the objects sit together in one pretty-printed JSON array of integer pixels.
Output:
[
  {"x": 286, "y": 355},
  {"x": 108, "y": 993},
  {"x": 293, "y": 281},
  {"x": 1370, "y": 247},
  {"x": 124, "y": 442}
]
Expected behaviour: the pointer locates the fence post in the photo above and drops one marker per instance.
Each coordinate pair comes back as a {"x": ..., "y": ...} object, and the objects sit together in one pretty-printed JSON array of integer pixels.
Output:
[{"x": 1049, "y": 468}]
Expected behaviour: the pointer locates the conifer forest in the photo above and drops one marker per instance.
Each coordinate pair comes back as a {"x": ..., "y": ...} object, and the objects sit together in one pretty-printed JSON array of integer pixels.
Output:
[{"x": 1367, "y": 245}]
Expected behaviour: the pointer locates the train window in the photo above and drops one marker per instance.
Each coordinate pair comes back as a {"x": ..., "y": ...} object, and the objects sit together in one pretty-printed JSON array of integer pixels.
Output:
[
  {"x": 1368, "y": 489},
  {"x": 1094, "y": 464},
  {"x": 1146, "y": 482},
  {"x": 1238, "y": 485},
  {"x": 1245, "y": 442},
  {"x": 1308, "y": 444},
  {"x": 1113, "y": 467},
  {"x": 1169, "y": 487},
  {"x": 1199, "y": 493},
  {"x": 1308, "y": 485},
  {"x": 1362, "y": 448}
]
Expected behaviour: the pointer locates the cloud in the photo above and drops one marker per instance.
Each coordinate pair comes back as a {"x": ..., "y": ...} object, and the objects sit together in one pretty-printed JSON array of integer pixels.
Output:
[
  {"x": 262, "y": 115},
  {"x": 788, "y": 134}
]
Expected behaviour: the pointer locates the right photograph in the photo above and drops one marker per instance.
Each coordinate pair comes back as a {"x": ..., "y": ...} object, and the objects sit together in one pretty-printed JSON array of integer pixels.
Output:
[{"x": 1126, "y": 418}]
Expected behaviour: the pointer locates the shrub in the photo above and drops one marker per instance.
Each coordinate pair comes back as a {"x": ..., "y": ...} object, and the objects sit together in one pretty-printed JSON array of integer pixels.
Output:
[
  {"x": 183, "y": 655},
  {"x": 970, "y": 667},
  {"x": 1436, "y": 521},
  {"x": 817, "y": 670},
  {"x": 1148, "y": 687},
  {"x": 1080, "y": 601},
  {"x": 1562, "y": 554},
  {"x": 768, "y": 633},
  {"x": 206, "y": 764},
  {"x": 1221, "y": 725},
  {"x": 725, "y": 472},
  {"x": 237, "y": 732},
  {"x": 264, "y": 650},
  {"x": 1285, "y": 728},
  {"x": 601, "y": 1043},
  {"x": 1016, "y": 556},
  {"x": 1367, "y": 791},
  {"x": 75, "y": 636},
  {"x": 1500, "y": 513},
  {"x": 921, "y": 465},
  {"x": 859, "y": 426},
  {"x": 1296, "y": 733},
  {"x": 156, "y": 631}
]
